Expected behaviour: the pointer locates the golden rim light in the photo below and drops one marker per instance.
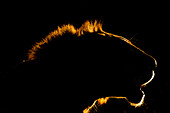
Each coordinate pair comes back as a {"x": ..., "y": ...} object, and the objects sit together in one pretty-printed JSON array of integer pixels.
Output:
[{"x": 91, "y": 27}]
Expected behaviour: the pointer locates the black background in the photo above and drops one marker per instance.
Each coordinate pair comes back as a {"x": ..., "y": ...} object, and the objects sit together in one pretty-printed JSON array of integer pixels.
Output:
[{"x": 25, "y": 25}]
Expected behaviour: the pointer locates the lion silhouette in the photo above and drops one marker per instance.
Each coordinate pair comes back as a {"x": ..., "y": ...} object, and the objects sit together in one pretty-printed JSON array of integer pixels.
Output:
[{"x": 70, "y": 68}]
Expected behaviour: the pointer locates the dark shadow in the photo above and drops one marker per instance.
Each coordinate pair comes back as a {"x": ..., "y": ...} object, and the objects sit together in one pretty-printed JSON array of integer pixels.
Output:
[{"x": 71, "y": 72}]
